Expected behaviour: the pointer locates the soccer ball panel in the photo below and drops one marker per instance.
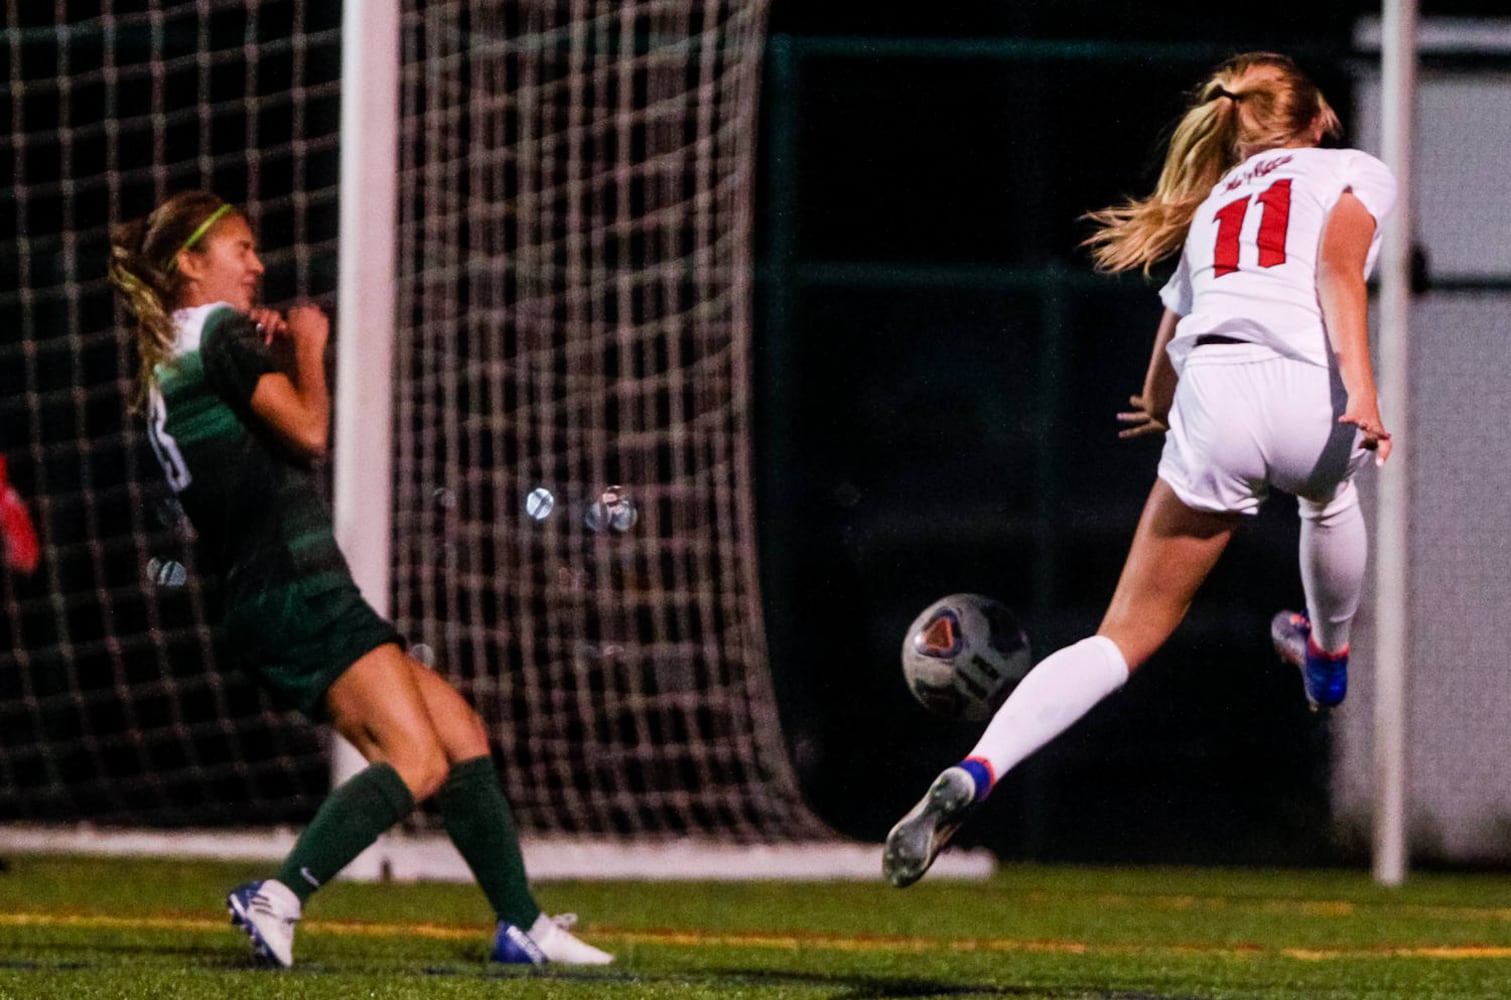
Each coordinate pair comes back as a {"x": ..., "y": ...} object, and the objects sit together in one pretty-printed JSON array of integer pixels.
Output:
[{"x": 963, "y": 656}]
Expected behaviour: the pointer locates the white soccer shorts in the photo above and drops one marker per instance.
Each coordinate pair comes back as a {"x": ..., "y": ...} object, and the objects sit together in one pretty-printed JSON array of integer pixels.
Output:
[{"x": 1245, "y": 420}]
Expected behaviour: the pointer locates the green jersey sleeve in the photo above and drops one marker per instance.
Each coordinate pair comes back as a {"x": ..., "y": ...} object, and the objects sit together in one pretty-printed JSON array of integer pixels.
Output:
[{"x": 234, "y": 358}]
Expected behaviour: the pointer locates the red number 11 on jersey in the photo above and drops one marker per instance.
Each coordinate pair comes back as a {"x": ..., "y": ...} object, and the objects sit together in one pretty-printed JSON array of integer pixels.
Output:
[{"x": 1274, "y": 218}]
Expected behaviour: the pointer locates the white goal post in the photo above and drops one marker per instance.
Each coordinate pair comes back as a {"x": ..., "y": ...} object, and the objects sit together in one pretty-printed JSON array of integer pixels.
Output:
[
  {"x": 365, "y": 301},
  {"x": 1392, "y": 607}
]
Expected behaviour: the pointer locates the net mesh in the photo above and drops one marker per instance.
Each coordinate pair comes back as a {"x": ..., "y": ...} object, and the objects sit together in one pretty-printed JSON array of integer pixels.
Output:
[
  {"x": 575, "y": 318},
  {"x": 573, "y": 299},
  {"x": 113, "y": 705}
]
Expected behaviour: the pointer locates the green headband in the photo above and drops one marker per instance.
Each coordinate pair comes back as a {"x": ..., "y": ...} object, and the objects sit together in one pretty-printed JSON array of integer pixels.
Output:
[{"x": 194, "y": 237}]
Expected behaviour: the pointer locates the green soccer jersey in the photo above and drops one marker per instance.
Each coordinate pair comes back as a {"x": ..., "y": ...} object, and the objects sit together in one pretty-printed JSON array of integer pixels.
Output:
[{"x": 262, "y": 523}]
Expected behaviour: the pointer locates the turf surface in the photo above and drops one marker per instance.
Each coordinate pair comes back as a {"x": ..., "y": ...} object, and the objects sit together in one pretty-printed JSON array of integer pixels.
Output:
[{"x": 78, "y": 929}]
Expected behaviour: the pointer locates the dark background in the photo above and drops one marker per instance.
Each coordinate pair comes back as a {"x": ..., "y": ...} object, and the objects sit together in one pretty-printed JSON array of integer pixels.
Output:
[{"x": 939, "y": 373}]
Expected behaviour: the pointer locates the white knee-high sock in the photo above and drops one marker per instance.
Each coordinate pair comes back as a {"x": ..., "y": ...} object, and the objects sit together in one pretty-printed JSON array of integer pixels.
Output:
[
  {"x": 1334, "y": 549},
  {"x": 1057, "y": 692}
]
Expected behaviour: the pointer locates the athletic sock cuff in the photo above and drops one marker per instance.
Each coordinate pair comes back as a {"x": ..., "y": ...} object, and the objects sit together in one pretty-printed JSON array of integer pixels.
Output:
[
  {"x": 1316, "y": 652},
  {"x": 1116, "y": 674},
  {"x": 467, "y": 774},
  {"x": 980, "y": 771},
  {"x": 385, "y": 782}
]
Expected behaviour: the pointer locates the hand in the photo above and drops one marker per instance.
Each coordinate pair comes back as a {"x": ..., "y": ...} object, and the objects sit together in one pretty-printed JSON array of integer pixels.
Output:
[
  {"x": 274, "y": 330},
  {"x": 269, "y": 324},
  {"x": 1365, "y": 415},
  {"x": 302, "y": 332},
  {"x": 1141, "y": 420},
  {"x": 309, "y": 326}
]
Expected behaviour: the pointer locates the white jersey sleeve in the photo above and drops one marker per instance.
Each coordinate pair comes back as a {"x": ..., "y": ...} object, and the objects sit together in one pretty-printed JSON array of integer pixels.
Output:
[
  {"x": 1375, "y": 186},
  {"x": 1176, "y": 295},
  {"x": 1371, "y": 182}
]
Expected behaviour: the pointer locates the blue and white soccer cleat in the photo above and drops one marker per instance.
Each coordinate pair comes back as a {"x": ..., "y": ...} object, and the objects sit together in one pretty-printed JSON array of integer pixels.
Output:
[
  {"x": 550, "y": 939},
  {"x": 267, "y": 911},
  {"x": 1324, "y": 676},
  {"x": 513, "y": 946},
  {"x": 555, "y": 938},
  {"x": 919, "y": 836}
]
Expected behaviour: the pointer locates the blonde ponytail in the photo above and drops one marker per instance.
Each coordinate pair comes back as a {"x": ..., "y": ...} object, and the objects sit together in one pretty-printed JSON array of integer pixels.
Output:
[
  {"x": 1255, "y": 101},
  {"x": 143, "y": 295},
  {"x": 1139, "y": 233},
  {"x": 142, "y": 268}
]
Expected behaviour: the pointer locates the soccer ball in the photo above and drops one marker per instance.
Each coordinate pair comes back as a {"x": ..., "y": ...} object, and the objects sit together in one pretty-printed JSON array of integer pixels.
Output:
[{"x": 964, "y": 655}]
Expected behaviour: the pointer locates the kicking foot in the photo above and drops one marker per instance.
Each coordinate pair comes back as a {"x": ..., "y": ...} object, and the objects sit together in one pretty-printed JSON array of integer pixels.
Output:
[{"x": 919, "y": 836}]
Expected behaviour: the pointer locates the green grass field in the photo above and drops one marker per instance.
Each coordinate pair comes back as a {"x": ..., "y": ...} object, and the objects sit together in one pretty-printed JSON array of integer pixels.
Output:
[{"x": 79, "y": 929}]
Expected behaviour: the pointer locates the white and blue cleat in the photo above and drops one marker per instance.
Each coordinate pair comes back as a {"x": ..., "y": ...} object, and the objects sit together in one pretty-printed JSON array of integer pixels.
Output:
[
  {"x": 1324, "y": 676},
  {"x": 549, "y": 940},
  {"x": 512, "y": 946},
  {"x": 919, "y": 836},
  {"x": 267, "y": 911}
]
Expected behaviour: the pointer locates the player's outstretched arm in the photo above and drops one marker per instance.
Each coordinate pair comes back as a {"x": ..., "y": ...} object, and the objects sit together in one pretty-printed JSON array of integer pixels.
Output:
[
  {"x": 1344, "y": 298},
  {"x": 1151, "y": 408}
]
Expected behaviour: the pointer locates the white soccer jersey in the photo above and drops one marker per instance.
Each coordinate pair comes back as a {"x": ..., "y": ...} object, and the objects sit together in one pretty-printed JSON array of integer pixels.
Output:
[{"x": 1249, "y": 266}]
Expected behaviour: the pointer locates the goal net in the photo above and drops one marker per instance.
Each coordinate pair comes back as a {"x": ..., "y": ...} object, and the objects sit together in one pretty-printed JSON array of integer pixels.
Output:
[
  {"x": 574, "y": 303},
  {"x": 113, "y": 704},
  {"x": 573, "y": 299}
]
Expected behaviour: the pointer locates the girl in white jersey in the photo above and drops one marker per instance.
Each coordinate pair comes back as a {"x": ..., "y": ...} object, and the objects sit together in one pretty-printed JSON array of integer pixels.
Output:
[{"x": 1261, "y": 375}]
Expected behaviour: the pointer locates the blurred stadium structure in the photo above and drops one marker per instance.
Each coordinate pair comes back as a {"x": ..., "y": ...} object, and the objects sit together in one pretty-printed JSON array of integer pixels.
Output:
[
  {"x": 929, "y": 396},
  {"x": 1458, "y": 795}
]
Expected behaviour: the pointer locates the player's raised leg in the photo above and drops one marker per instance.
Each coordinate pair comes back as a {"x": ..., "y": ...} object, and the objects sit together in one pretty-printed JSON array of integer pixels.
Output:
[
  {"x": 1173, "y": 550},
  {"x": 1334, "y": 549},
  {"x": 1057, "y": 692}
]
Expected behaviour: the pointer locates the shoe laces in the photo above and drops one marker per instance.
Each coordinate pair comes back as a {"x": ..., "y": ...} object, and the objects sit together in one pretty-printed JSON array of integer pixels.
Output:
[
  {"x": 264, "y": 905},
  {"x": 566, "y": 921}
]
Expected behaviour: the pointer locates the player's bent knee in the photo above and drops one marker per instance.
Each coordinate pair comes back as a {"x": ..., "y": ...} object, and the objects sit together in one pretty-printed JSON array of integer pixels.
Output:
[
  {"x": 459, "y": 728},
  {"x": 422, "y": 771},
  {"x": 472, "y": 744},
  {"x": 419, "y": 756},
  {"x": 471, "y": 738}
]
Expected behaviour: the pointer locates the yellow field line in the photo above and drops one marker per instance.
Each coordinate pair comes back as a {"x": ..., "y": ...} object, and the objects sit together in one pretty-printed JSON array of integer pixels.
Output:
[{"x": 789, "y": 941}]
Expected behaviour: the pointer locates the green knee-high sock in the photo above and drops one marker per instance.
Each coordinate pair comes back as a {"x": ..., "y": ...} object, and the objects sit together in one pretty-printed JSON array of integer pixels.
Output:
[
  {"x": 348, "y": 821},
  {"x": 481, "y": 825}
]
